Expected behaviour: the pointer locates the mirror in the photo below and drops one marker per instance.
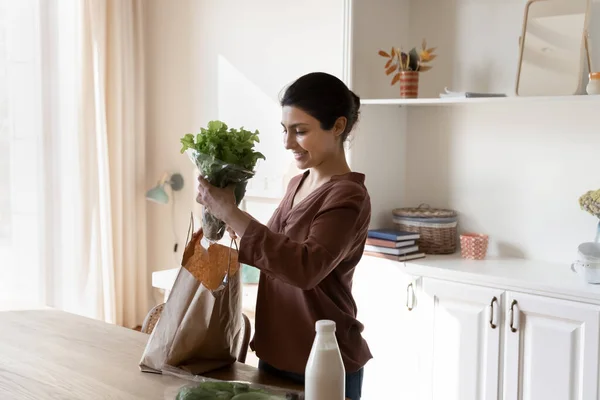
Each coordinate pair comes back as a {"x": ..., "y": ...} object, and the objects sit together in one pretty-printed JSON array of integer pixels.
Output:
[{"x": 553, "y": 52}]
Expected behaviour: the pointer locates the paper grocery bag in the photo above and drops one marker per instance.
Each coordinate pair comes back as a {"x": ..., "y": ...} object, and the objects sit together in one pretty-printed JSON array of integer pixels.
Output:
[{"x": 200, "y": 327}]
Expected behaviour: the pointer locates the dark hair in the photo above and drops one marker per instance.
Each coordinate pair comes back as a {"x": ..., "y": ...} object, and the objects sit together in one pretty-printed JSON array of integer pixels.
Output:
[{"x": 325, "y": 98}]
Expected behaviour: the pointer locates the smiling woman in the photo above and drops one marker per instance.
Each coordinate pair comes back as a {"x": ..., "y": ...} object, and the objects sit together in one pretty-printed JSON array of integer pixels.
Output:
[
  {"x": 308, "y": 251},
  {"x": 314, "y": 105}
]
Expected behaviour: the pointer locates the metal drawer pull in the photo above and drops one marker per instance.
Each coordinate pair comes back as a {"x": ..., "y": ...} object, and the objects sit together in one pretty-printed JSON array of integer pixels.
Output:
[
  {"x": 514, "y": 316},
  {"x": 493, "y": 315},
  {"x": 409, "y": 289}
]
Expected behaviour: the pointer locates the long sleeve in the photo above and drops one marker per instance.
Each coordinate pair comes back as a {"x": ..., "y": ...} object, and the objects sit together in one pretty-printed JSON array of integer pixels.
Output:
[
  {"x": 307, "y": 255},
  {"x": 332, "y": 235}
]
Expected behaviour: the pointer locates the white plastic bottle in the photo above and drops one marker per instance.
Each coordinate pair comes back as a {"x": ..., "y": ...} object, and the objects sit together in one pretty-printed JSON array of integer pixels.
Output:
[{"x": 325, "y": 375}]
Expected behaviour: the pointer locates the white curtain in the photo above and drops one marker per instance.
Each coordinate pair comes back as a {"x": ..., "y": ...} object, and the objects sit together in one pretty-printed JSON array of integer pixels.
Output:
[
  {"x": 96, "y": 214},
  {"x": 113, "y": 161}
]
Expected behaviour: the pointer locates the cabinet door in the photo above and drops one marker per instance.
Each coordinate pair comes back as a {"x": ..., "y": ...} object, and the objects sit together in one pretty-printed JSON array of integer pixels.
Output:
[
  {"x": 462, "y": 342},
  {"x": 551, "y": 349},
  {"x": 387, "y": 301}
]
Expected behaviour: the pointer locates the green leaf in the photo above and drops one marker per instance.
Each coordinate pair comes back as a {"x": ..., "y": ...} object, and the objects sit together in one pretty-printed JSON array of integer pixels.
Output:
[
  {"x": 229, "y": 145},
  {"x": 216, "y": 126},
  {"x": 187, "y": 142}
]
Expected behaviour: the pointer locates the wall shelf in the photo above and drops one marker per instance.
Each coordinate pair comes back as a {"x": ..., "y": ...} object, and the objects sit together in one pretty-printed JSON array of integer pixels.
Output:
[
  {"x": 478, "y": 100},
  {"x": 488, "y": 158}
]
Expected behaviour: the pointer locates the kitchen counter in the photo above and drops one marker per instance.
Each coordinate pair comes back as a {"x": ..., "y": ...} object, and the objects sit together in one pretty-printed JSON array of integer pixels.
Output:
[
  {"x": 550, "y": 279},
  {"x": 546, "y": 278}
]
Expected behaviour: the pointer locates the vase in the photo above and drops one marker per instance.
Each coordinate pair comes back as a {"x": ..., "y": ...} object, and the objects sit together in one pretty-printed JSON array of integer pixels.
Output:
[
  {"x": 597, "y": 240},
  {"x": 409, "y": 84}
]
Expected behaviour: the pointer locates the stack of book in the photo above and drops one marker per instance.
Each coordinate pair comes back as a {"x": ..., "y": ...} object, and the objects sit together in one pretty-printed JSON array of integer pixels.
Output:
[{"x": 393, "y": 244}]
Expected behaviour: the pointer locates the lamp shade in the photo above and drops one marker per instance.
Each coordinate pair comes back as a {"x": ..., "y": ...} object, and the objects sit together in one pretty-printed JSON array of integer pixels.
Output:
[{"x": 158, "y": 194}]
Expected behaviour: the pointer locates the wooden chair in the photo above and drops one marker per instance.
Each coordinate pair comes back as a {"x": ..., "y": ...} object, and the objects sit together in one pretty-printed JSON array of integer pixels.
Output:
[
  {"x": 154, "y": 314},
  {"x": 152, "y": 318}
]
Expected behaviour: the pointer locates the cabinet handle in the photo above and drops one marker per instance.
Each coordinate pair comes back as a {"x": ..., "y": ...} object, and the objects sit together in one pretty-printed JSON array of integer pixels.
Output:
[
  {"x": 514, "y": 316},
  {"x": 493, "y": 315},
  {"x": 409, "y": 289}
]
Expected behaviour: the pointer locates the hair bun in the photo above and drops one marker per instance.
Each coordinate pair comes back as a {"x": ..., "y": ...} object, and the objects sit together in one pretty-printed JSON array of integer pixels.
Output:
[
  {"x": 355, "y": 98},
  {"x": 356, "y": 110}
]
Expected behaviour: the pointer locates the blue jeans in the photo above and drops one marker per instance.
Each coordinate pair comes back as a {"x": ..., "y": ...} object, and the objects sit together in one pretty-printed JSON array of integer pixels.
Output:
[{"x": 353, "y": 380}]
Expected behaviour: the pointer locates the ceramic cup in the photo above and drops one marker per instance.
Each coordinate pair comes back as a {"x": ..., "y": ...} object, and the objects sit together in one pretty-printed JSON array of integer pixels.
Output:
[
  {"x": 473, "y": 246},
  {"x": 588, "y": 262}
]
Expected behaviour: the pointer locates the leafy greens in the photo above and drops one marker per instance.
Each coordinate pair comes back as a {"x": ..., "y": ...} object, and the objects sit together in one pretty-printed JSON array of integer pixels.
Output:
[
  {"x": 229, "y": 145},
  {"x": 224, "y": 156}
]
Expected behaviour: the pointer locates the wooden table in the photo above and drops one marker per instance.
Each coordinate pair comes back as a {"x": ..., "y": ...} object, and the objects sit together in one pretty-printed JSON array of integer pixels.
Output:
[{"x": 50, "y": 354}]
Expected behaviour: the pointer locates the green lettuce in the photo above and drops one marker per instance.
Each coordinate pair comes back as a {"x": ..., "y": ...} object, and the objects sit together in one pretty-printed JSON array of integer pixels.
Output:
[
  {"x": 225, "y": 391},
  {"x": 224, "y": 156},
  {"x": 228, "y": 145}
]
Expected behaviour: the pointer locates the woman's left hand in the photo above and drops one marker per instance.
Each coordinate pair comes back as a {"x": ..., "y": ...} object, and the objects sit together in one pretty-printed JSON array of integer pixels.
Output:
[{"x": 220, "y": 202}]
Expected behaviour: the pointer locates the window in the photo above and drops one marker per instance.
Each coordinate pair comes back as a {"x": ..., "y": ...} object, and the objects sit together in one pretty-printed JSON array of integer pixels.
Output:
[
  {"x": 21, "y": 219},
  {"x": 4, "y": 141}
]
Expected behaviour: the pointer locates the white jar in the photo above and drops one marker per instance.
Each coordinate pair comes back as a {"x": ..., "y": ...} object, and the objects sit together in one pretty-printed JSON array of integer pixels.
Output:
[
  {"x": 325, "y": 375},
  {"x": 593, "y": 86}
]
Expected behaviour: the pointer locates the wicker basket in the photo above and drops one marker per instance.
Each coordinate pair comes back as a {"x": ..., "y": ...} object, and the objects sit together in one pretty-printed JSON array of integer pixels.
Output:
[{"x": 437, "y": 228}]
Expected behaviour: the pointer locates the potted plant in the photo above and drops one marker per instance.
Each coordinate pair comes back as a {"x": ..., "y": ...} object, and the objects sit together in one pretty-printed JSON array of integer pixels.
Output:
[
  {"x": 590, "y": 202},
  {"x": 406, "y": 67}
]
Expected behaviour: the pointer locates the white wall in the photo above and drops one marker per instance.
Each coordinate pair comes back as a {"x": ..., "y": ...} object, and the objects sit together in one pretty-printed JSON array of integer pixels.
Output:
[
  {"x": 378, "y": 147},
  {"x": 206, "y": 61},
  {"x": 513, "y": 171},
  {"x": 477, "y": 43},
  {"x": 226, "y": 60},
  {"x": 376, "y": 25},
  {"x": 170, "y": 113}
]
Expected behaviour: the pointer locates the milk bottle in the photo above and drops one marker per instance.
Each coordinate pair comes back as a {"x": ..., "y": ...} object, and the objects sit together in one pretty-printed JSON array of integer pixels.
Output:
[{"x": 325, "y": 375}]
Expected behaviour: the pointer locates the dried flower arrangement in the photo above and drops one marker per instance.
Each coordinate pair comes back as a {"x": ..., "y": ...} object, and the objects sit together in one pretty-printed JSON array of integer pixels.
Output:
[
  {"x": 590, "y": 202},
  {"x": 414, "y": 60}
]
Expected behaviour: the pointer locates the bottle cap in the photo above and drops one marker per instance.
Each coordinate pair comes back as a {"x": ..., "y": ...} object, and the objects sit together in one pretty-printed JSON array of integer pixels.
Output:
[{"x": 325, "y": 325}]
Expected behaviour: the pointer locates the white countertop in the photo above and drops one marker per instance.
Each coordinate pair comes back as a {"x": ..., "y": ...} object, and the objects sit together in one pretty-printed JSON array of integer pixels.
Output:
[
  {"x": 552, "y": 279},
  {"x": 164, "y": 279}
]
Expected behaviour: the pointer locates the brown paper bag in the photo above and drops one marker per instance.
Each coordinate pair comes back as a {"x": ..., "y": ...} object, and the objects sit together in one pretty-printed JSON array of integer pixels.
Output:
[{"x": 200, "y": 327}]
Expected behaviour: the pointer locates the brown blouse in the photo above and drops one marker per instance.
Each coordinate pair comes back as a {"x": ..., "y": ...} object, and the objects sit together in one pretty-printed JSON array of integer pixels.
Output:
[{"x": 307, "y": 257}]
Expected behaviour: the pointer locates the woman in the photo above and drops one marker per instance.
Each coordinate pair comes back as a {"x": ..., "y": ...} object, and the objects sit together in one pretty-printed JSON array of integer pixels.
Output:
[{"x": 308, "y": 251}]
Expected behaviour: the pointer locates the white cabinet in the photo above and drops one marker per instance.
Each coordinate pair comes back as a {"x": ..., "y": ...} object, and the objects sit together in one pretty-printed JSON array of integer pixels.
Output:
[
  {"x": 388, "y": 308},
  {"x": 437, "y": 334},
  {"x": 546, "y": 348},
  {"x": 551, "y": 349},
  {"x": 461, "y": 341}
]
